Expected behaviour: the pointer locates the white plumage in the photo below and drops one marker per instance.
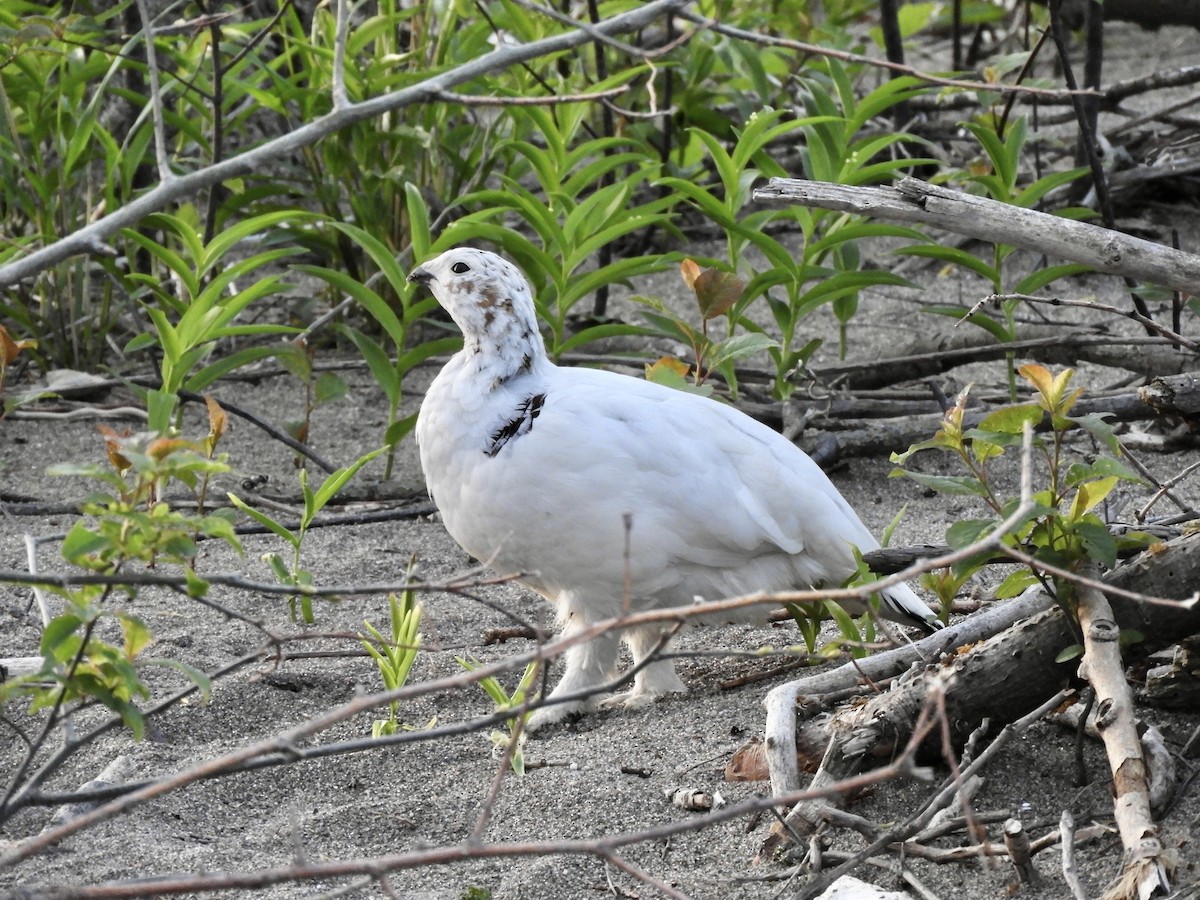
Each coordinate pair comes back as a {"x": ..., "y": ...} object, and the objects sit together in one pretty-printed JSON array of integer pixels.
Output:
[{"x": 536, "y": 468}]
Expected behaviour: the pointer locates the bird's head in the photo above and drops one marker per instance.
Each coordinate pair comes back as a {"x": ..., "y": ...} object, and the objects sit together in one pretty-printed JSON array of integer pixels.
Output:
[{"x": 488, "y": 298}]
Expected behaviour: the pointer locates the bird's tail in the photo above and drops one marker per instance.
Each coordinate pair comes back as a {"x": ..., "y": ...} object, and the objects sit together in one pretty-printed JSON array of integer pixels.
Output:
[{"x": 900, "y": 603}]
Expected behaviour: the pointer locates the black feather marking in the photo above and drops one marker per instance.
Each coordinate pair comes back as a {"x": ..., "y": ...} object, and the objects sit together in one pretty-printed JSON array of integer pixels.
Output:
[{"x": 520, "y": 424}]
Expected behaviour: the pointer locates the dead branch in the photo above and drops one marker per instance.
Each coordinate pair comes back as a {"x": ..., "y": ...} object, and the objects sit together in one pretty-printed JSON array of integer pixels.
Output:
[
  {"x": 913, "y": 200},
  {"x": 1049, "y": 94},
  {"x": 1145, "y": 871},
  {"x": 605, "y": 847},
  {"x": 91, "y": 238},
  {"x": 1012, "y": 671},
  {"x": 1050, "y": 344}
]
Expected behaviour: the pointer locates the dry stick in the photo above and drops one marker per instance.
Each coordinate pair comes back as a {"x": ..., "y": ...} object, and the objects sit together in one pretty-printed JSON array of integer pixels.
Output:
[
  {"x": 1164, "y": 490},
  {"x": 603, "y": 847},
  {"x": 284, "y": 744},
  {"x": 941, "y": 799},
  {"x": 165, "y": 175},
  {"x": 338, "y": 91},
  {"x": 1143, "y": 320},
  {"x": 1183, "y": 507},
  {"x": 780, "y": 724},
  {"x": 913, "y": 200},
  {"x": 1145, "y": 870},
  {"x": 899, "y": 69},
  {"x": 27, "y": 795},
  {"x": 91, "y": 238}
]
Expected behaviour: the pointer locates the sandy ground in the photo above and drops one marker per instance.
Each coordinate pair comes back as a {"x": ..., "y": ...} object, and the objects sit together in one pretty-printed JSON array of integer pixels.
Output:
[
  {"x": 603, "y": 776},
  {"x": 429, "y": 794}
]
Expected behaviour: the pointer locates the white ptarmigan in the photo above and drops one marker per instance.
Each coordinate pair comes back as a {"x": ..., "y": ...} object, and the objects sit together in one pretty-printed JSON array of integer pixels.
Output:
[{"x": 537, "y": 469}]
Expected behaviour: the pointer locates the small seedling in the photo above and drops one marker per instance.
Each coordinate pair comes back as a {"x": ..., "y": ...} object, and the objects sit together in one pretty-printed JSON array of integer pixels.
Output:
[
  {"x": 504, "y": 701},
  {"x": 314, "y": 502},
  {"x": 395, "y": 657}
]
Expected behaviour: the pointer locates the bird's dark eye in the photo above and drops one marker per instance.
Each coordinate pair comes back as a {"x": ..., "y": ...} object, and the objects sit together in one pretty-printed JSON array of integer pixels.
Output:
[{"x": 460, "y": 267}]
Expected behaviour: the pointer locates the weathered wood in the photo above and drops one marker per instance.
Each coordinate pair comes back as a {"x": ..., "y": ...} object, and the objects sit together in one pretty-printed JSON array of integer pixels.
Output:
[
  {"x": 1049, "y": 344},
  {"x": 1001, "y": 678},
  {"x": 1179, "y": 396},
  {"x": 1145, "y": 871},
  {"x": 913, "y": 200}
]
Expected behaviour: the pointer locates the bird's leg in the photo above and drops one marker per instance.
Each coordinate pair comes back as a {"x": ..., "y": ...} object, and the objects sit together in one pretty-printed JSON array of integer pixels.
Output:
[
  {"x": 655, "y": 678},
  {"x": 589, "y": 665}
]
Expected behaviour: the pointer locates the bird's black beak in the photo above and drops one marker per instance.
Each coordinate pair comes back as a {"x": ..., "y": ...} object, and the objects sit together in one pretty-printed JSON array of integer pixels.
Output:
[{"x": 420, "y": 275}]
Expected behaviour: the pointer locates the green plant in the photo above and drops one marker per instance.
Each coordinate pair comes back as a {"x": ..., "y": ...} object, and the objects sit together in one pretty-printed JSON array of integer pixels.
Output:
[
  {"x": 320, "y": 388},
  {"x": 394, "y": 657},
  {"x": 390, "y": 374},
  {"x": 1063, "y": 527},
  {"x": 573, "y": 214},
  {"x": 716, "y": 292},
  {"x": 126, "y": 523},
  {"x": 829, "y": 268},
  {"x": 998, "y": 177},
  {"x": 504, "y": 701},
  {"x": 361, "y": 175},
  {"x": 59, "y": 167},
  {"x": 195, "y": 301},
  {"x": 292, "y": 573}
]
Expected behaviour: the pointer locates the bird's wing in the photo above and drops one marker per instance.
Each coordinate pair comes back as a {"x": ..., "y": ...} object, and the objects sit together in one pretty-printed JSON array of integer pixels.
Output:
[{"x": 700, "y": 483}]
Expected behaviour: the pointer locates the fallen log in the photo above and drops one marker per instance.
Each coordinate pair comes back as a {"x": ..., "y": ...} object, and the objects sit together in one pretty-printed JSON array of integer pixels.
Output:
[
  {"x": 913, "y": 200},
  {"x": 1000, "y": 679}
]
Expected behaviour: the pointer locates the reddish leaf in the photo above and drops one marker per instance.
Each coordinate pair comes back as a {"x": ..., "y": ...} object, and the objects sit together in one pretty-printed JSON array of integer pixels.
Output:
[{"x": 717, "y": 291}]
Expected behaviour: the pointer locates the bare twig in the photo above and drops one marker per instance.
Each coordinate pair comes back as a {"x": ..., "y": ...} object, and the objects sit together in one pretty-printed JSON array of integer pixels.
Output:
[
  {"x": 1137, "y": 316},
  {"x": 165, "y": 175},
  {"x": 858, "y": 58},
  {"x": 340, "y": 100},
  {"x": 1145, "y": 869},
  {"x": 86, "y": 239}
]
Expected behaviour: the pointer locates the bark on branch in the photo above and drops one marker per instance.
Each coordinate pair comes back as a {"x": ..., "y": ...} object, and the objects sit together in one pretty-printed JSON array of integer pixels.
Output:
[
  {"x": 913, "y": 200},
  {"x": 91, "y": 238},
  {"x": 1001, "y": 678}
]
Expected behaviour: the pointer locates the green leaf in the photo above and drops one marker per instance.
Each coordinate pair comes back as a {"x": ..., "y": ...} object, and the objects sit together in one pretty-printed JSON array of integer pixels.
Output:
[
  {"x": 1012, "y": 419},
  {"x": 1015, "y": 584},
  {"x": 335, "y": 482},
  {"x": 55, "y": 637},
  {"x": 81, "y": 542},
  {"x": 1035, "y": 281},
  {"x": 737, "y": 347},
  {"x": 194, "y": 675},
  {"x": 966, "y": 532},
  {"x": 1075, "y": 651},
  {"x": 377, "y": 361},
  {"x": 993, "y": 326},
  {"x": 398, "y": 430},
  {"x": 137, "y": 635},
  {"x": 949, "y": 484},
  {"x": 1095, "y": 425},
  {"x": 1097, "y": 540},
  {"x": 266, "y": 521},
  {"x": 953, "y": 255},
  {"x": 328, "y": 387}
]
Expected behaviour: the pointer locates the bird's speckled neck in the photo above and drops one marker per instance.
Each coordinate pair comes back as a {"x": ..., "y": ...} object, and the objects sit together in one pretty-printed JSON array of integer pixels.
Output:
[{"x": 491, "y": 302}]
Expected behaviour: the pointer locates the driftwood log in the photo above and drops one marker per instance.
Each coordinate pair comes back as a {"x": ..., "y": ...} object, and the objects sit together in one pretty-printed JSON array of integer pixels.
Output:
[
  {"x": 1145, "y": 869},
  {"x": 913, "y": 200},
  {"x": 999, "y": 679}
]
